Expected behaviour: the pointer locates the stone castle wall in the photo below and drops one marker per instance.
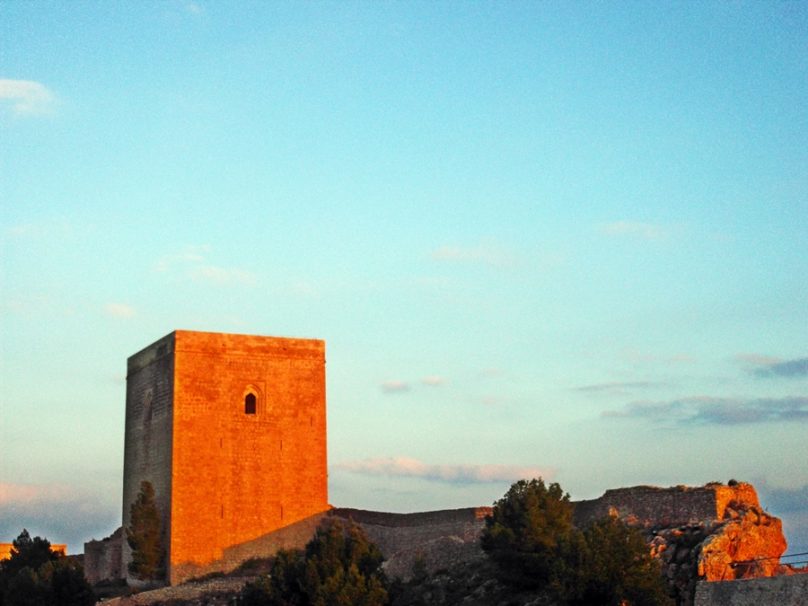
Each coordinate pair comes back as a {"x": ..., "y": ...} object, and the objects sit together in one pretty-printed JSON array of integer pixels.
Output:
[
  {"x": 103, "y": 559},
  {"x": 431, "y": 540},
  {"x": 782, "y": 591},
  {"x": 679, "y": 506}
]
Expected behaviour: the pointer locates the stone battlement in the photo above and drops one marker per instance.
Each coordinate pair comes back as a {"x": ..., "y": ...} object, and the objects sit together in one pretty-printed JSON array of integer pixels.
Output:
[{"x": 649, "y": 506}]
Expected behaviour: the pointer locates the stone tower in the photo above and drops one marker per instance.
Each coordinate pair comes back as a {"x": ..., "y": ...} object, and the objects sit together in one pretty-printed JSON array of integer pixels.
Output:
[{"x": 231, "y": 432}]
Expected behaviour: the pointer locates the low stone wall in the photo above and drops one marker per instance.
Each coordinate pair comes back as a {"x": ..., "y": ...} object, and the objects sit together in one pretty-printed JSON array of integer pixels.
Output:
[
  {"x": 102, "y": 559},
  {"x": 782, "y": 591},
  {"x": 429, "y": 540}
]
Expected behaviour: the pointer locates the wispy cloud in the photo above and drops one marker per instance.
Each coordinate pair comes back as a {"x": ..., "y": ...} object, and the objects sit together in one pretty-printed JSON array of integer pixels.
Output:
[
  {"x": 395, "y": 386},
  {"x": 636, "y": 356},
  {"x": 634, "y": 229},
  {"x": 484, "y": 254},
  {"x": 771, "y": 367},
  {"x": 450, "y": 474},
  {"x": 188, "y": 255},
  {"x": 194, "y": 8},
  {"x": 785, "y": 499},
  {"x": 60, "y": 513},
  {"x": 706, "y": 410},
  {"x": 192, "y": 262},
  {"x": 26, "y": 97},
  {"x": 119, "y": 310},
  {"x": 433, "y": 380},
  {"x": 616, "y": 387}
]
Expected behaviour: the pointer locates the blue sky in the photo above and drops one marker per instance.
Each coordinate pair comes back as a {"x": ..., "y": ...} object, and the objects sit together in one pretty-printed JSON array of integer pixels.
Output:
[{"x": 565, "y": 239}]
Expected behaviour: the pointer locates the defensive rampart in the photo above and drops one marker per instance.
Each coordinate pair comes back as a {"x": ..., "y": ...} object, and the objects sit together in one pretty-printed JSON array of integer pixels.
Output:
[
  {"x": 779, "y": 591},
  {"x": 431, "y": 540},
  {"x": 103, "y": 559},
  {"x": 649, "y": 506}
]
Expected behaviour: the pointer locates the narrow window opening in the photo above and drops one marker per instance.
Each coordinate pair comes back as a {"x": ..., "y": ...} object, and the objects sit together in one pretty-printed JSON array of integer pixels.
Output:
[{"x": 249, "y": 404}]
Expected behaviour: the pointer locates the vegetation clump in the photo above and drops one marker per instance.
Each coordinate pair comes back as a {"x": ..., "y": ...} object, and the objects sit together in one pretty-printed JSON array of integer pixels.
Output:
[
  {"x": 339, "y": 567},
  {"x": 531, "y": 538},
  {"x": 35, "y": 575},
  {"x": 144, "y": 536}
]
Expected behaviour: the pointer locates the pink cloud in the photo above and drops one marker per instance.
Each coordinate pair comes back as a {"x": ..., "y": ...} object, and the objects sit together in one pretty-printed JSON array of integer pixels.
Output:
[{"x": 452, "y": 474}]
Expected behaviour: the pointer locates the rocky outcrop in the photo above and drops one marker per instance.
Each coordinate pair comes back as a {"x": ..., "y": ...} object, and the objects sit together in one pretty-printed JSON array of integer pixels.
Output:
[
  {"x": 715, "y": 532},
  {"x": 747, "y": 544}
]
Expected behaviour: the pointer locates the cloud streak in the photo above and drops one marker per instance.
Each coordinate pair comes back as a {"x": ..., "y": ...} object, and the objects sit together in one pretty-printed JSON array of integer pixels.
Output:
[
  {"x": 616, "y": 387},
  {"x": 449, "y": 474},
  {"x": 705, "y": 410},
  {"x": 26, "y": 97},
  {"x": 395, "y": 386},
  {"x": 119, "y": 310},
  {"x": 789, "y": 369},
  {"x": 59, "y": 513},
  {"x": 192, "y": 263}
]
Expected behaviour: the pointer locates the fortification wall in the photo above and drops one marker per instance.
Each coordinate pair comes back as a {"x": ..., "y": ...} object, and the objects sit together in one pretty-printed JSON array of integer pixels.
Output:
[
  {"x": 237, "y": 476},
  {"x": 649, "y": 506},
  {"x": 433, "y": 539},
  {"x": 652, "y": 506},
  {"x": 103, "y": 559},
  {"x": 781, "y": 590}
]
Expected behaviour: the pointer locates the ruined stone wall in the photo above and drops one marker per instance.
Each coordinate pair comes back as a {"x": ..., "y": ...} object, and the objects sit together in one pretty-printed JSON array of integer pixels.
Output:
[
  {"x": 652, "y": 506},
  {"x": 237, "y": 476},
  {"x": 103, "y": 559},
  {"x": 148, "y": 430},
  {"x": 433, "y": 540},
  {"x": 781, "y": 590}
]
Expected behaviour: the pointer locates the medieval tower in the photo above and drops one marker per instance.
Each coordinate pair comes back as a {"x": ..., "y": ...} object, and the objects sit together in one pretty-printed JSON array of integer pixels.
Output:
[{"x": 231, "y": 432}]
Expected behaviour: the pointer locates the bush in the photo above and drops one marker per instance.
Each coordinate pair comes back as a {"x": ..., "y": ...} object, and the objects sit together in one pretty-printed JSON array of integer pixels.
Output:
[
  {"x": 339, "y": 567},
  {"x": 527, "y": 532},
  {"x": 35, "y": 575},
  {"x": 618, "y": 568},
  {"x": 532, "y": 540}
]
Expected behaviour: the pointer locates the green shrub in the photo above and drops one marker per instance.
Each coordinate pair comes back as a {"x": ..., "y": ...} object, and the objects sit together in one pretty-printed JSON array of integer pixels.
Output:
[
  {"x": 35, "y": 575},
  {"x": 532, "y": 540},
  {"x": 339, "y": 567}
]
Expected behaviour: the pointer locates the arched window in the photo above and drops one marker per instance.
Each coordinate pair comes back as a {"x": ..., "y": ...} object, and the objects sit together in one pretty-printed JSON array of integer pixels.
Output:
[{"x": 249, "y": 404}]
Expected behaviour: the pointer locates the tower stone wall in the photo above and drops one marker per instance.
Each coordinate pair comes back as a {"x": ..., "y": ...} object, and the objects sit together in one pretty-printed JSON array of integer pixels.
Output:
[{"x": 231, "y": 432}]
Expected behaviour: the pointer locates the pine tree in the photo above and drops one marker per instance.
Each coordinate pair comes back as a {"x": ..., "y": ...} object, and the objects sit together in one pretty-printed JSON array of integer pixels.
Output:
[
  {"x": 144, "y": 536},
  {"x": 339, "y": 567}
]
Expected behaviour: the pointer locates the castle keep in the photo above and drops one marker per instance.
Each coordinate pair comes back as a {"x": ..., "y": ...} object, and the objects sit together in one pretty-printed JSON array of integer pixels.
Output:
[{"x": 231, "y": 432}]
